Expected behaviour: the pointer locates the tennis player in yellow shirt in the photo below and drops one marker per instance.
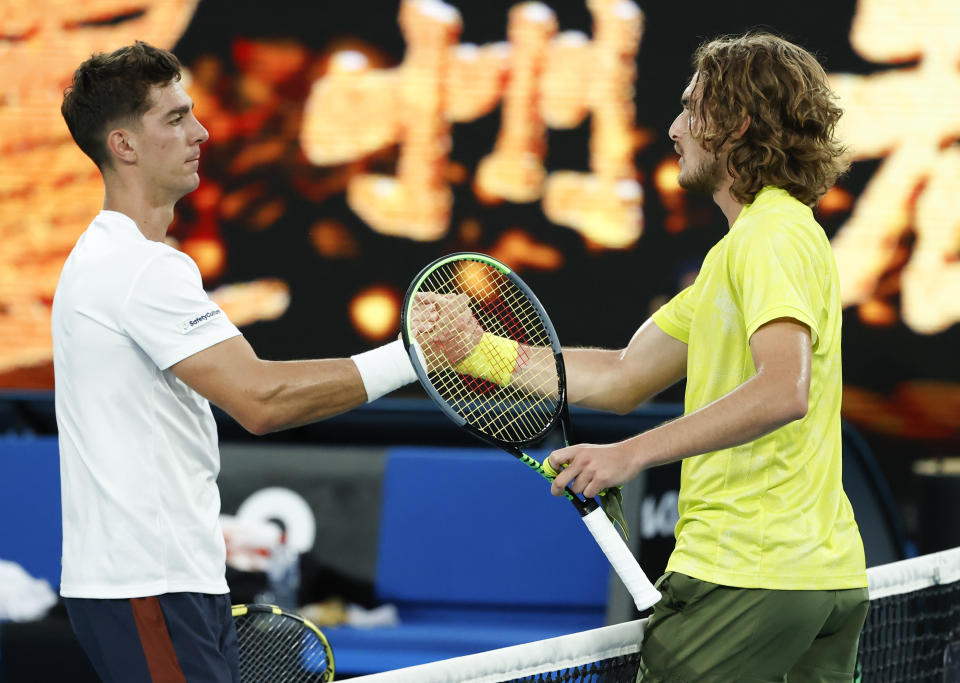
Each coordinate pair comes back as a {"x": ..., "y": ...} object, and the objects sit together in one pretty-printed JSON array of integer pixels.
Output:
[{"x": 767, "y": 581}]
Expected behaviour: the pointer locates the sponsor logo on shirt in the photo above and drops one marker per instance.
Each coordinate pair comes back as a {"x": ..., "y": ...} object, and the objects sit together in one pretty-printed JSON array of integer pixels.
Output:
[{"x": 191, "y": 324}]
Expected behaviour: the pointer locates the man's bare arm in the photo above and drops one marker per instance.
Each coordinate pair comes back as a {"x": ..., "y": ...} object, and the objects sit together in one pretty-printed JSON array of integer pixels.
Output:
[
  {"x": 616, "y": 381},
  {"x": 775, "y": 396},
  {"x": 619, "y": 381},
  {"x": 266, "y": 396}
]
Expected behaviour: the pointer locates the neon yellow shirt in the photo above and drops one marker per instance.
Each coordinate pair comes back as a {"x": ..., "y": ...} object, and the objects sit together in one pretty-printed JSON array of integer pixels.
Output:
[{"x": 770, "y": 513}]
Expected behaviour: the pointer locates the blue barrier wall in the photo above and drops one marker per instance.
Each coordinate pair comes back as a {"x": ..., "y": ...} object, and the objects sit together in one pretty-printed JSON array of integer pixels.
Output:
[
  {"x": 30, "y": 524},
  {"x": 462, "y": 525}
]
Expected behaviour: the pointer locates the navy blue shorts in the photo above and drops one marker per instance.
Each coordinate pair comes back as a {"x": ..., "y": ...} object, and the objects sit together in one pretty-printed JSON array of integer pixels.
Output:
[{"x": 170, "y": 638}]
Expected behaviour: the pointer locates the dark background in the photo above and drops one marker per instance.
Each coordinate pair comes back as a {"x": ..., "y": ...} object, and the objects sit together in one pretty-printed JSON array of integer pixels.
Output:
[
  {"x": 596, "y": 296},
  {"x": 877, "y": 360}
]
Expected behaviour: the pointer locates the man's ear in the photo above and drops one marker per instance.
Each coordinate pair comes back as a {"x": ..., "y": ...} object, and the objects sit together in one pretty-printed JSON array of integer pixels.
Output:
[{"x": 122, "y": 146}]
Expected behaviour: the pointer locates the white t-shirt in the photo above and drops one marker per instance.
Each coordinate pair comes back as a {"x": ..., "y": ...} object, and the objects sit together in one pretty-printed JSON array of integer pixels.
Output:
[{"x": 138, "y": 448}]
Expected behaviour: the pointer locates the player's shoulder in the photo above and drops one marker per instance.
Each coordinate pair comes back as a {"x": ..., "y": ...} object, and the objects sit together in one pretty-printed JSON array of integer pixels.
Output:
[
  {"x": 776, "y": 215},
  {"x": 115, "y": 250},
  {"x": 166, "y": 256},
  {"x": 116, "y": 236},
  {"x": 162, "y": 268}
]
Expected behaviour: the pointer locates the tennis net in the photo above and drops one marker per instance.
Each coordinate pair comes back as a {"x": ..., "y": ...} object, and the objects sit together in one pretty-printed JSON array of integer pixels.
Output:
[
  {"x": 911, "y": 629},
  {"x": 913, "y": 626}
]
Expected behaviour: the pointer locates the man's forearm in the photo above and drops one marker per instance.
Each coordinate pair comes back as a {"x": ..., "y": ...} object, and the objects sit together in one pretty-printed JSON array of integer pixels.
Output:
[
  {"x": 592, "y": 381},
  {"x": 294, "y": 393},
  {"x": 750, "y": 411},
  {"x": 618, "y": 381},
  {"x": 754, "y": 409}
]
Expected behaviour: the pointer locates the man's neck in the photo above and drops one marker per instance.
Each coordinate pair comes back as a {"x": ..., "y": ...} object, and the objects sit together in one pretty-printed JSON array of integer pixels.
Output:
[
  {"x": 152, "y": 215},
  {"x": 731, "y": 207}
]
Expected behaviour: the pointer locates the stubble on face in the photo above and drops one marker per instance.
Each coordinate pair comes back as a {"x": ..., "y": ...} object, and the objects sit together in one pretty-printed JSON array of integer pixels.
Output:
[
  {"x": 705, "y": 177},
  {"x": 703, "y": 170}
]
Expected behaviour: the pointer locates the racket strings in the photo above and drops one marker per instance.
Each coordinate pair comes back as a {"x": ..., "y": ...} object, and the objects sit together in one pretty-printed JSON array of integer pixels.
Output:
[
  {"x": 278, "y": 647},
  {"x": 523, "y": 405}
]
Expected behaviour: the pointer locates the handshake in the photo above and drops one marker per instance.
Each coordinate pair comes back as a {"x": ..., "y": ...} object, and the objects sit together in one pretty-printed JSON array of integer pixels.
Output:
[
  {"x": 448, "y": 335},
  {"x": 452, "y": 336},
  {"x": 444, "y": 327}
]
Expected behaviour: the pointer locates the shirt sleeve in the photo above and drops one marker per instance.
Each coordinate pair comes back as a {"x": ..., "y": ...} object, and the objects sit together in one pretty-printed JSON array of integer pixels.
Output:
[
  {"x": 168, "y": 313},
  {"x": 778, "y": 275},
  {"x": 674, "y": 317}
]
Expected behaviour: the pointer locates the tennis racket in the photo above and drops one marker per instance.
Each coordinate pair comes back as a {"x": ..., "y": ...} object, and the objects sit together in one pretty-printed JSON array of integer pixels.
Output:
[
  {"x": 489, "y": 357},
  {"x": 278, "y": 646}
]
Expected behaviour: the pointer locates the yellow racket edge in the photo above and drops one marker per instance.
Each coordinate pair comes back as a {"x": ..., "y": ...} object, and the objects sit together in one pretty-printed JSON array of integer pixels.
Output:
[{"x": 242, "y": 609}]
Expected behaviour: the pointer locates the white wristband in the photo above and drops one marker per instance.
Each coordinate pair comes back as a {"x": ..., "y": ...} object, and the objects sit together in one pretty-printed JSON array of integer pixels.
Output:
[{"x": 384, "y": 369}]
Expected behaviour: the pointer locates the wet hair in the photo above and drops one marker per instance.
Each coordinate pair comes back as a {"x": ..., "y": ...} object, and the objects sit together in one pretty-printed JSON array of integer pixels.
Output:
[
  {"x": 112, "y": 88},
  {"x": 790, "y": 141}
]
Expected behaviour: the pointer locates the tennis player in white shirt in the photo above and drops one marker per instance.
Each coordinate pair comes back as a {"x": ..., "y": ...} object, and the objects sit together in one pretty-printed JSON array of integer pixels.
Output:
[{"x": 139, "y": 350}]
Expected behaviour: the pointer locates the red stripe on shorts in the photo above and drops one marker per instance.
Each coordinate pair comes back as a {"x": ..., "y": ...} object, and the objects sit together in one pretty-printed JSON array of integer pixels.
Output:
[{"x": 157, "y": 646}]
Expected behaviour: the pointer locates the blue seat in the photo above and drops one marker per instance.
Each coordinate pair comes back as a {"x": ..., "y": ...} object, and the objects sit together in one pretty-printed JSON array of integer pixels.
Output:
[
  {"x": 476, "y": 555},
  {"x": 31, "y": 532}
]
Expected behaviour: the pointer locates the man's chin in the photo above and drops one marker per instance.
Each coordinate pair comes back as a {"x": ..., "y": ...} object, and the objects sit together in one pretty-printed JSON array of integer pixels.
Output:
[
  {"x": 193, "y": 182},
  {"x": 699, "y": 185},
  {"x": 189, "y": 184}
]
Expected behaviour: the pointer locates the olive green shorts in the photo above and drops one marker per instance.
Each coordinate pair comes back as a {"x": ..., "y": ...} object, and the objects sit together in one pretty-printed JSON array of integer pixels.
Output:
[{"x": 704, "y": 633}]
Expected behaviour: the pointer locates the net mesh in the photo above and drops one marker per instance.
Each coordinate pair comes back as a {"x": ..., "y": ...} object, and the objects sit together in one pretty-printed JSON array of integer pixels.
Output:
[
  {"x": 914, "y": 619},
  {"x": 912, "y": 633},
  {"x": 488, "y": 354},
  {"x": 613, "y": 670},
  {"x": 280, "y": 647}
]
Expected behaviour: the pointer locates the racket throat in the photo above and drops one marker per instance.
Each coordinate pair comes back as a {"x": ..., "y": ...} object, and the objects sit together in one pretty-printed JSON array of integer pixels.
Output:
[{"x": 530, "y": 462}]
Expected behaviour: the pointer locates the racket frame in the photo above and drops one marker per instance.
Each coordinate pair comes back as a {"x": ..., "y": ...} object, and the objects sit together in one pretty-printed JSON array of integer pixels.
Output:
[
  {"x": 561, "y": 414},
  {"x": 244, "y": 609},
  {"x": 644, "y": 594}
]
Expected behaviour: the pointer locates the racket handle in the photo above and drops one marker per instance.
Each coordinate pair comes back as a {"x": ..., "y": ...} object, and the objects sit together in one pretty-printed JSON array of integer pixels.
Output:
[{"x": 624, "y": 563}]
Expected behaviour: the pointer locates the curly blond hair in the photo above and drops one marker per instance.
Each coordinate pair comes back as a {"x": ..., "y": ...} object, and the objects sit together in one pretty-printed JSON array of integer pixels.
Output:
[{"x": 790, "y": 139}]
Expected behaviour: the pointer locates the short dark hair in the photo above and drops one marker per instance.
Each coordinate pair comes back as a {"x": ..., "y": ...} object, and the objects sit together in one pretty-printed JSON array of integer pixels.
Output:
[
  {"x": 790, "y": 142},
  {"x": 113, "y": 88}
]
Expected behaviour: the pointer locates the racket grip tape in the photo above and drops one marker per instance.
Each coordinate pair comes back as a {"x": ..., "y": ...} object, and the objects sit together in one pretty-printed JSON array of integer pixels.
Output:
[
  {"x": 551, "y": 474},
  {"x": 624, "y": 563}
]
